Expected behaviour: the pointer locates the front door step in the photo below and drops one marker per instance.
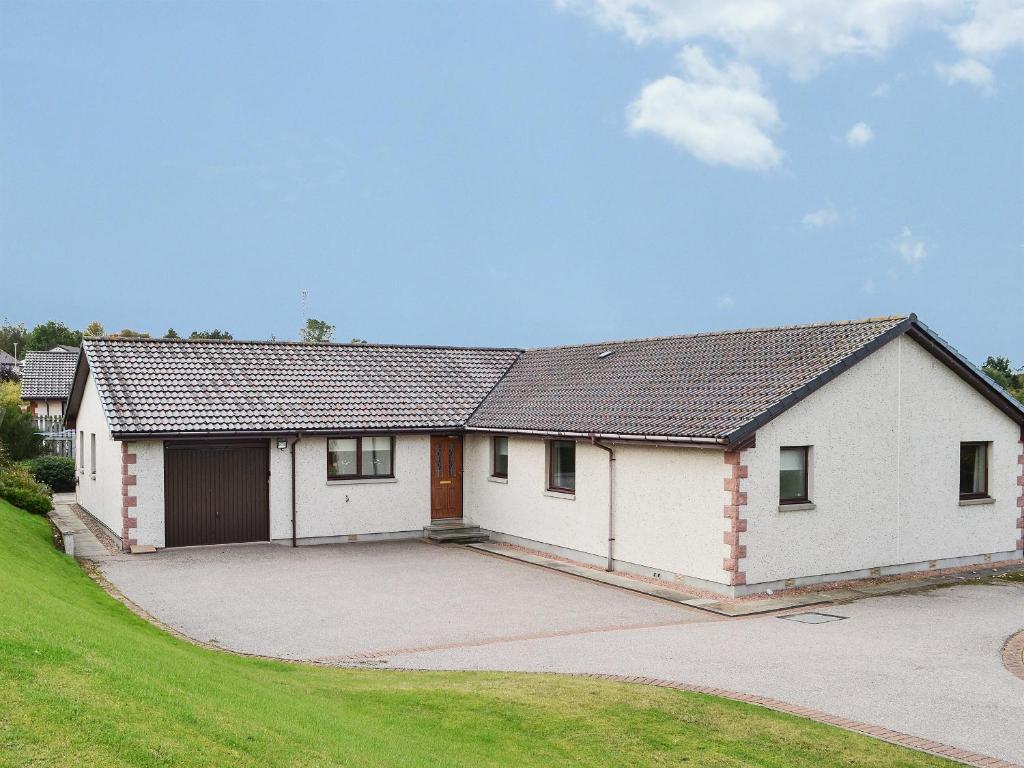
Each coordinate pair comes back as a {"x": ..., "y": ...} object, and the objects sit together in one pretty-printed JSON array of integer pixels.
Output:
[{"x": 454, "y": 531}]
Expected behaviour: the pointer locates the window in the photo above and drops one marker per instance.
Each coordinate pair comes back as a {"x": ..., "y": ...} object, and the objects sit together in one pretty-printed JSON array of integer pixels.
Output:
[
  {"x": 92, "y": 453},
  {"x": 562, "y": 466},
  {"x": 81, "y": 450},
  {"x": 499, "y": 456},
  {"x": 973, "y": 470},
  {"x": 351, "y": 458},
  {"x": 793, "y": 475}
]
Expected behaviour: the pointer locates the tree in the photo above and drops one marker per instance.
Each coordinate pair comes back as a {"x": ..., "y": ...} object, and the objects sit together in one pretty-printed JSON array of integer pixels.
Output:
[
  {"x": 317, "y": 331},
  {"x": 95, "y": 328},
  {"x": 1001, "y": 371},
  {"x": 50, "y": 334},
  {"x": 216, "y": 333},
  {"x": 17, "y": 428},
  {"x": 171, "y": 334},
  {"x": 11, "y": 335},
  {"x": 128, "y": 333}
]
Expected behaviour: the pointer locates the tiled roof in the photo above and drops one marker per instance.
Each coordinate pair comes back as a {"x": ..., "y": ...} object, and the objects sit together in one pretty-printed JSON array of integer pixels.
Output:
[
  {"x": 159, "y": 386},
  {"x": 47, "y": 375},
  {"x": 706, "y": 385}
]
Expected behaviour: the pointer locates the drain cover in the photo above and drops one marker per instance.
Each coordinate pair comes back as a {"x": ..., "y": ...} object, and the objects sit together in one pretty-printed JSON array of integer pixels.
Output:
[{"x": 813, "y": 618}]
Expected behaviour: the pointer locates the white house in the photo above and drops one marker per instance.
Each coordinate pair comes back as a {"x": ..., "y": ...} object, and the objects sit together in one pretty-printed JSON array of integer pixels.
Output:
[
  {"x": 46, "y": 382},
  {"x": 735, "y": 461}
]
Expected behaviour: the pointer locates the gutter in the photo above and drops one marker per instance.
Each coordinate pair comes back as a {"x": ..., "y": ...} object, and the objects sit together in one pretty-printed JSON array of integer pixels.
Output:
[
  {"x": 712, "y": 442},
  {"x": 611, "y": 501},
  {"x": 295, "y": 442}
]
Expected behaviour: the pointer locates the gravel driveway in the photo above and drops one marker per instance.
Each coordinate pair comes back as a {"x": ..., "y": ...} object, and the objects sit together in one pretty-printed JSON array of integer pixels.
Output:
[
  {"x": 333, "y": 601},
  {"x": 927, "y": 664}
]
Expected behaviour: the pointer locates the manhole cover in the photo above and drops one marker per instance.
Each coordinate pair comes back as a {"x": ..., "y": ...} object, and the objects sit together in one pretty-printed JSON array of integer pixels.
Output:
[{"x": 813, "y": 618}]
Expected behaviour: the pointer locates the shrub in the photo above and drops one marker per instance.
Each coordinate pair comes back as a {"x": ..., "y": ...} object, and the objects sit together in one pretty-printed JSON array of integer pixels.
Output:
[
  {"x": 22, "y": 490},
  {"x": 58, "y": 472},
  {"x": 17, "y": 428}
]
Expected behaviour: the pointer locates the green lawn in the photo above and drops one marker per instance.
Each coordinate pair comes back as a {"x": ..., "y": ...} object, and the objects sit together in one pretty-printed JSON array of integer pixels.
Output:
[{"x": 83, "y": 681}]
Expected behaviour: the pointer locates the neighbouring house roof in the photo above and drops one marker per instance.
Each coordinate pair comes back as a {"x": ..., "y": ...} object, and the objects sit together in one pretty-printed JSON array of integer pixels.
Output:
[
  {"x": 709, "y": 387},
  {"x": 65, "y": 348},
  {"x": 717, "y": 387},
  {"x": 6, "y": 358},
  {"x": 47, "y": 375},
  {"x": 161, "y": 386}
]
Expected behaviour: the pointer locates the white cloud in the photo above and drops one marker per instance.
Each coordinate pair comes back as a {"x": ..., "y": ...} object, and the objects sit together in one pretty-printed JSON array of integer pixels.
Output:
[
  {"x": 882, "y": 89},
  {"x": 717, "y": 114},
  {"x": 797, "y": 34},
  {"x": 995, "y": 26},
  {"x": 869, "y": 286},
  {"x": 859, "y": 135},
  {"x": 970, "y": 71},
  {"x": 800, "y": 36},
  {"x": 725, "y": 302},
  {"x": 826, "y": 217},
  {"x": 911, "y": 248}
]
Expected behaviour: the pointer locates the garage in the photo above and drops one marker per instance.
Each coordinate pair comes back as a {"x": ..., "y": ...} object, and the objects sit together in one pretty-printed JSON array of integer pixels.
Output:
[{"x": 216, "y": 492}]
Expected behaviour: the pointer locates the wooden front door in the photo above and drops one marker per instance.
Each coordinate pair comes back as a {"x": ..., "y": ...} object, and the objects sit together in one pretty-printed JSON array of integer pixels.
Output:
[{"x": 445, "y": 476}]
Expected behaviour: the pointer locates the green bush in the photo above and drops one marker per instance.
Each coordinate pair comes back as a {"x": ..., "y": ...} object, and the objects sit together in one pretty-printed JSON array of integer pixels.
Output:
[
  {"x": 58, "y": 472},
  {"x": 22, "y": 490},
  {"x": 17, "y": 427}
]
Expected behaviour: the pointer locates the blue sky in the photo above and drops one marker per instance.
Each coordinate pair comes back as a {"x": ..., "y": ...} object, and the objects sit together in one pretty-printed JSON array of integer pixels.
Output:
[{"x": 516, "y": 173}]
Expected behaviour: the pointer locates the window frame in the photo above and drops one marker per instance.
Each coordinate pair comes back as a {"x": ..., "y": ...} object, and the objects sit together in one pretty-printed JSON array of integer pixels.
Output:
[
  {"x": 805, "y": 497},
  {"x": 494, "y": 456},
  {"x": 550, "y": 475},
  {"x": 983, "y": 494},
  {"x": 81, "y": 450},
  {"x": 92, "y": 454},
  {"x": 359, "y": 458}
]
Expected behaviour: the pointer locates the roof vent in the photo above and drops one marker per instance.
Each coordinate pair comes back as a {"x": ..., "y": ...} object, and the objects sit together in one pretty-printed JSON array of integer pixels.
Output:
[{"x": 606, "y": 353}]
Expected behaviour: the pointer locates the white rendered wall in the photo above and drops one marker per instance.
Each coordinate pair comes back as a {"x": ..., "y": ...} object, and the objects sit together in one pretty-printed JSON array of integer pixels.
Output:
[
  {"x": 340, "y": 508},
  {"x": 99, "y": 493},
  {"x": 884, "y": 477},
  {"x": 669, "y": 502},
  {"x": 47, "y": 407}
]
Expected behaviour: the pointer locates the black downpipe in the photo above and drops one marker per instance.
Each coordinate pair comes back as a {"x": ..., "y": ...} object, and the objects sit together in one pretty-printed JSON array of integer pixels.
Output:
[
  {"x": 295, "y": 442},
  {"x": 611, "y": 502}
]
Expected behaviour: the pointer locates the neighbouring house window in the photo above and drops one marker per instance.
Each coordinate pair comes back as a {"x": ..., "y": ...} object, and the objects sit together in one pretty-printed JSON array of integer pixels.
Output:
[
  {"x": 81, "y": 450},
  {"x": 793, "y": 475},
  {"x": 499, "y": 465},
  {"x": 562, "y": 466},
  {"x": 92, "y": 453},
  {"x": 350, "y": 458},
  {"x": 973, "y": 470}
]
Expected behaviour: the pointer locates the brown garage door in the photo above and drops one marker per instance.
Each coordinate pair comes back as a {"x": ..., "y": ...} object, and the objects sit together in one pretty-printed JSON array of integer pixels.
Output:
[{"x": 216, "y": 493}]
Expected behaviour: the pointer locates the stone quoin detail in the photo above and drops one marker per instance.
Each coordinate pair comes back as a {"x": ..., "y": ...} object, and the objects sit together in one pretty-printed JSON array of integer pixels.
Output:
[
  {"x": 1020, "y": 499},
  {"x": 733, "y": 513},
  {"x": 129, "y": 501}
]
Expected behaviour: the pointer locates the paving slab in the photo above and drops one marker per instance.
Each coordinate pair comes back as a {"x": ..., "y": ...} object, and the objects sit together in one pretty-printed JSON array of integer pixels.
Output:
[{"x": 86, "y": 545}]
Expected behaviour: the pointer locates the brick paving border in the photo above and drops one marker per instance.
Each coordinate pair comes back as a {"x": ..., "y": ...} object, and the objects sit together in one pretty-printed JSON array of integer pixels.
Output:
[
  {"x": 875, "y": 731},
  {"x": 1013, "y": 654}
]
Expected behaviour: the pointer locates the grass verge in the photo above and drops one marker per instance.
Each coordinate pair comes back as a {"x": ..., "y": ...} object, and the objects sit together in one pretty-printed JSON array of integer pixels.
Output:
[{"x": 83, "y": 681}]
